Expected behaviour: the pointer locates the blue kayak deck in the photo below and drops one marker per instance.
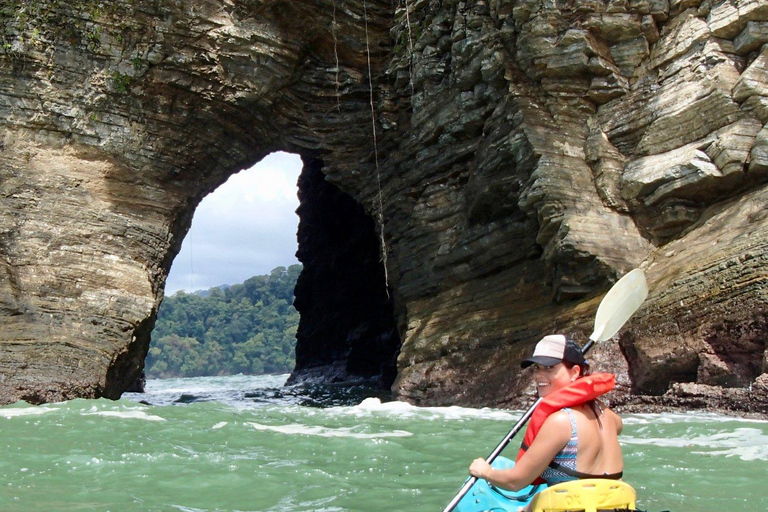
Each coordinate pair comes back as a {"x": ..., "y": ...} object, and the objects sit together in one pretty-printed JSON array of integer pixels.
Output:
[{"x": 483, "y": 497}]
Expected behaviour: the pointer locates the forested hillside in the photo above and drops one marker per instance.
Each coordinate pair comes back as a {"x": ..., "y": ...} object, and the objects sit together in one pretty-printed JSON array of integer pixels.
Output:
[{"x": 246, "y": 328}]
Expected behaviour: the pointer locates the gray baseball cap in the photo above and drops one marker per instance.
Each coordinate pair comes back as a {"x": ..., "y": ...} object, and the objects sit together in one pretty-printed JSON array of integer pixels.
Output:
[{"x": 554, "y": 349}]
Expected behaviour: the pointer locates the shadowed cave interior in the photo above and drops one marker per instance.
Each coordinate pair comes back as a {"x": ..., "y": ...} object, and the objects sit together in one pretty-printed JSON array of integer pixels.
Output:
[{"x": 347, "y": 331}]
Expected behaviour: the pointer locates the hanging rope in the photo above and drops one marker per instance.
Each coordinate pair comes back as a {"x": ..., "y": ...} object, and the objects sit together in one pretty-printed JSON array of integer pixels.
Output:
[
  {"x": 410, "y": 48},
  {"x": 336, "y": 55},
  {"x": 376, "y": 153}
]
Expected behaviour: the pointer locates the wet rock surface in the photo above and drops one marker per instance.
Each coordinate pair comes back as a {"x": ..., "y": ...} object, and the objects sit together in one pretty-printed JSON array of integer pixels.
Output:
[
  {"x": 746, "y": 402},
  {"x": 519, "y": 156}
]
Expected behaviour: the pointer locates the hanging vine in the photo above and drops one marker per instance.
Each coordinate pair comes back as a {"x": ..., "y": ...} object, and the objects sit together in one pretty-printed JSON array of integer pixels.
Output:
[
  {"x": 376, "y": 151},
  {"x": 336, "y": 56},
  {"x": 410, "y": 48}
]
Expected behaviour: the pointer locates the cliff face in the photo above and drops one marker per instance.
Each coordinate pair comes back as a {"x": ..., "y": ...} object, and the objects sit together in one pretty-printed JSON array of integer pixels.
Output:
[{"x": 519, "y": 156}]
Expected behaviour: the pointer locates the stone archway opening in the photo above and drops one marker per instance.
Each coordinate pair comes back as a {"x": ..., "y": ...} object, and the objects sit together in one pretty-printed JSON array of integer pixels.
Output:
[
  {"x": 347, "y": 331},
  {"x": 227, "y": 304},
  {"x": 245, "y": 227}
]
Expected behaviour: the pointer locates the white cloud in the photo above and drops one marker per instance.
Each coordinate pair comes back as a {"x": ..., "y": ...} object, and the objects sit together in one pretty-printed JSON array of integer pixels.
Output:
[{"x": 244, "y": 228}]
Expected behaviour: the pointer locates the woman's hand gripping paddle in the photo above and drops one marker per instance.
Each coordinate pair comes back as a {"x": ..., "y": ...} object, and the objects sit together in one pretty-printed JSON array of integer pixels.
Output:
[{"x": 620, "y": 303}]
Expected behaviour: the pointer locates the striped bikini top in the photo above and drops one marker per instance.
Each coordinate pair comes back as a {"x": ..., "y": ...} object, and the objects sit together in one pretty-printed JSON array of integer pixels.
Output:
[{"x": 563, "y": 466}]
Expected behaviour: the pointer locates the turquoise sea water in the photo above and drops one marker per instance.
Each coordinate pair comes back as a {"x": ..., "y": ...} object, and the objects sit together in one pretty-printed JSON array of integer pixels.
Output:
[{"x": 247, "y": 444}]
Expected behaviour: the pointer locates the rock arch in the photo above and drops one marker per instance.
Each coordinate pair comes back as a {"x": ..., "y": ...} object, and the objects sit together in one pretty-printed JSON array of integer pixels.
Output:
[
  {"x": 117, "y": 122},
  {"x": 528, "y": 153}
]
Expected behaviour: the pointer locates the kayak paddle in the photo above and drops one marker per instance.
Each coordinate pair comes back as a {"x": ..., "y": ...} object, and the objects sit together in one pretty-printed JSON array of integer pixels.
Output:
[{"x": 621, "y": 301}]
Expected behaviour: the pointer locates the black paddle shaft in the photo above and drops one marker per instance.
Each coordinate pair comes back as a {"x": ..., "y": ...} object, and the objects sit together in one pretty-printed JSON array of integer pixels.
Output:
[{"x": 503, "y": 444}]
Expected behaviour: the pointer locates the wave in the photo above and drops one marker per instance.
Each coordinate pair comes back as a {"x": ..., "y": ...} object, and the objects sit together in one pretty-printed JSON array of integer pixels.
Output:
[
  {"x": 745, "y": 443},
  {"x": 204, "y": 385},
  {"x": 298, "y": 429},
  {"x": 29, "y": 410},
  {"x": 405, "y": 410},
  {"x": 135, "y": 414},
  {"x": 669, "y": 418}
]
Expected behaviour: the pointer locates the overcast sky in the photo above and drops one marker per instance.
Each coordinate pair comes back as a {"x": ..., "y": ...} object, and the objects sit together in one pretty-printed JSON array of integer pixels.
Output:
[{"x": 244, "y": 228}]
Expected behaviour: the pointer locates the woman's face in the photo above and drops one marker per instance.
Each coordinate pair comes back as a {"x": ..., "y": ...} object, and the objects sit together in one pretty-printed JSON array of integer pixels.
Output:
[{"x": 552, "y": 378}]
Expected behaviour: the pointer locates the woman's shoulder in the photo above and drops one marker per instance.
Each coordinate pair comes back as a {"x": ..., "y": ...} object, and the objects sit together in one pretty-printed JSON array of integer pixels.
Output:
[
  {"x": 601, "y": 412},
  {"x": 558, "y": 419},
  {"x": 556, "y": 429}
]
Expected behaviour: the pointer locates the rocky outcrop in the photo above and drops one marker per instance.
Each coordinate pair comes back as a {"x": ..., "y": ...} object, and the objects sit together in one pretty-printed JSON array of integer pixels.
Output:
[
  {"x": 614, "y": 141},
  {"x": 518, "y": 158}
]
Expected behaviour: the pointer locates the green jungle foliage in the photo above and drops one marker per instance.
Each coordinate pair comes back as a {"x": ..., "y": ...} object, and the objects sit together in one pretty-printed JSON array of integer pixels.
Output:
[{"x": 247, "y": 328}]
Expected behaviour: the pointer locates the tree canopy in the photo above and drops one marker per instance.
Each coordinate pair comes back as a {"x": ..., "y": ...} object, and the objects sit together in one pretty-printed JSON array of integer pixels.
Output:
[{"x": 246, "y": 328}]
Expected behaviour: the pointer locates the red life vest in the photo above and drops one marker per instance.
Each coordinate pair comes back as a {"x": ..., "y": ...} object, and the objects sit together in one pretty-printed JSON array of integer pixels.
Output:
[{"x": 576, "y": 393}]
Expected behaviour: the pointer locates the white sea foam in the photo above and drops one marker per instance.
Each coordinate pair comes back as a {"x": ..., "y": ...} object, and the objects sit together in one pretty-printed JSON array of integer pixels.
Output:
[
  {"x": 14, "y": 412},
  {"x": 406, "y": 410},
  {"x": 689, "y": 417},
  {"x": 307, "y": 430},
  {"x": 744, "y": 443},
  {"x": 455, "y": 412},
  {"x": 208, "y": 385},
  {"x": 132, "y": 414},
  {"x": 376, "y": 404}
]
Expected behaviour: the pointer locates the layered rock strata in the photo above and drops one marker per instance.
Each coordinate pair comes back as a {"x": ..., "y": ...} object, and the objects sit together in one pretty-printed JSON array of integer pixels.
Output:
[{"x": 518, "y": 156}]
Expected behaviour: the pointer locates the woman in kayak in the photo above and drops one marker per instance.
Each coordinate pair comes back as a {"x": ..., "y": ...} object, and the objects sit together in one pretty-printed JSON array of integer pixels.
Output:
[{"x": 576, "y": 437}]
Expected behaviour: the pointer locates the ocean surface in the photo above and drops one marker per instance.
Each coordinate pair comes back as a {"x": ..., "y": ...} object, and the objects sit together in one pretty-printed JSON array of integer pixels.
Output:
[{"x": 245, "y": 443}]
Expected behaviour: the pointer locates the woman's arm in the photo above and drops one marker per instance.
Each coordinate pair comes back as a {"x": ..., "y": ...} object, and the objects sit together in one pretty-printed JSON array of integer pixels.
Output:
[{"x": 552, "y": 437}]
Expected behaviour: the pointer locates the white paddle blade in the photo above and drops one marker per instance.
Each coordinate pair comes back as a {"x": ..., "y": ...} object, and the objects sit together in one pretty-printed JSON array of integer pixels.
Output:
[{"x": 621, "y": 301}]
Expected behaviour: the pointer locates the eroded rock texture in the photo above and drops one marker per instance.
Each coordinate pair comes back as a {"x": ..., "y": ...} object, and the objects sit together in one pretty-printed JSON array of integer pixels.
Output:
[{"x": 520, "y": 156}]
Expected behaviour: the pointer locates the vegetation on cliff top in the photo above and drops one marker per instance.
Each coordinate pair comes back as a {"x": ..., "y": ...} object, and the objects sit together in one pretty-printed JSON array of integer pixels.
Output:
[
  {"x": 247, "y": 328},
  {"x": 40, "y": 22}
]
